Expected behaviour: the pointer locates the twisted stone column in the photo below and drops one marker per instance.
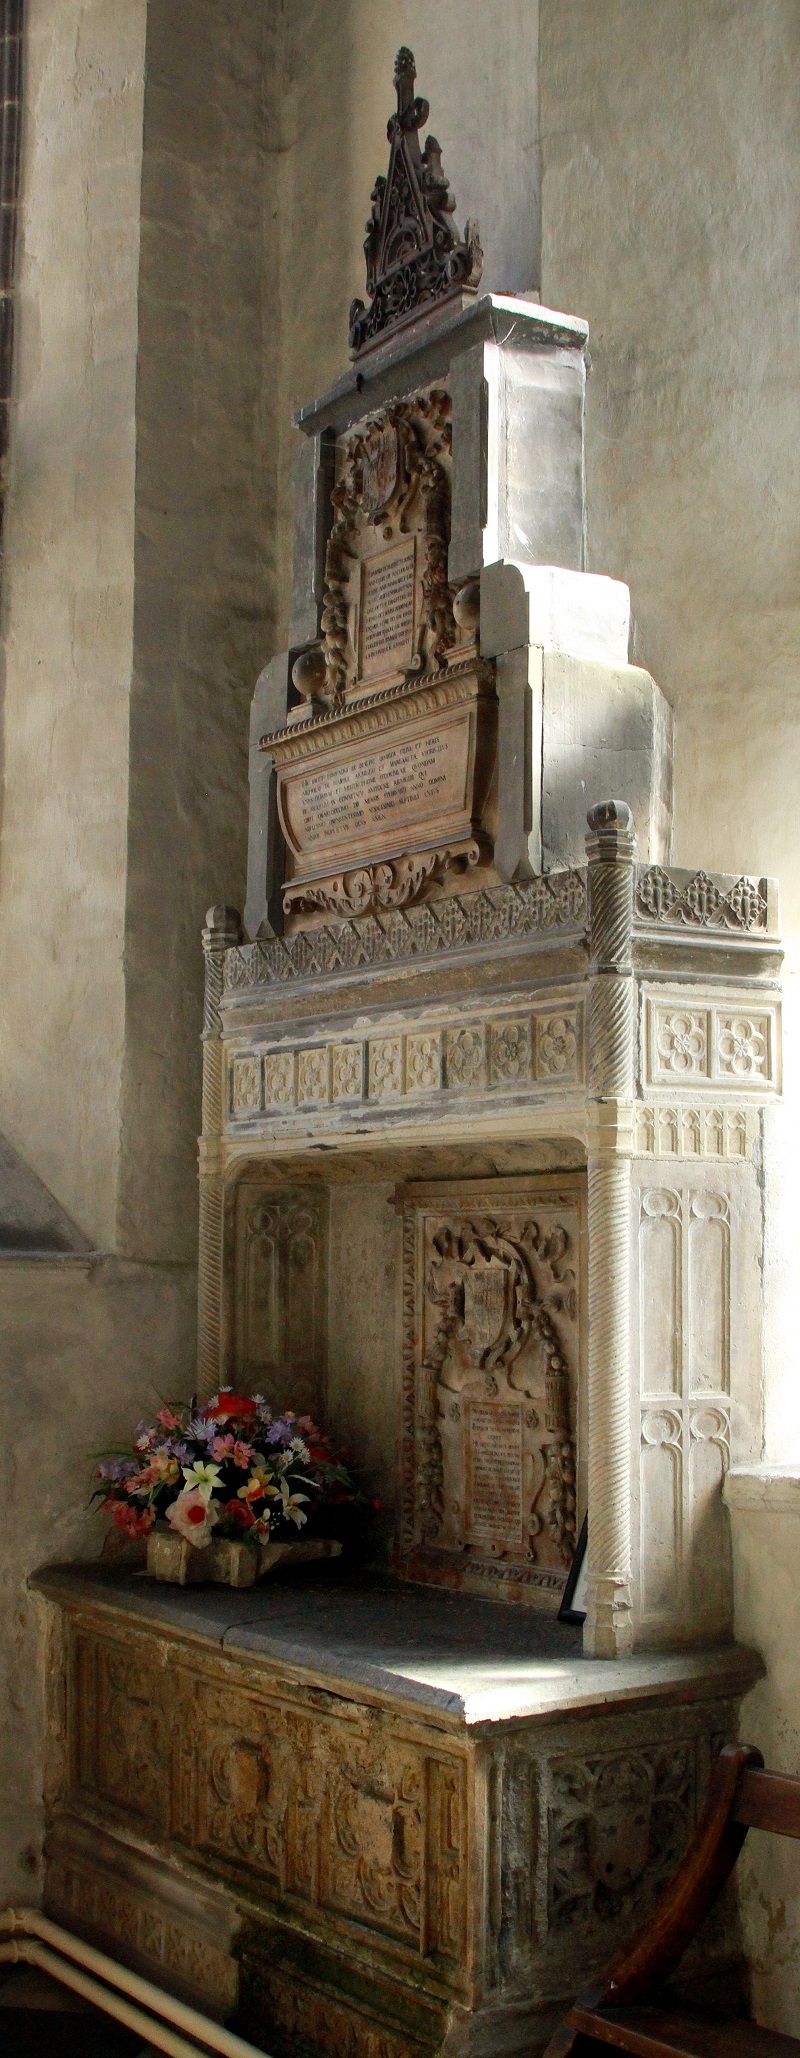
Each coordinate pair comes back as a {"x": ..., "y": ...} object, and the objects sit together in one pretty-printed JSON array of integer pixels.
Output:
[
  {"x": 611, "y": 853},
  {"x": 222, "y": 930}
]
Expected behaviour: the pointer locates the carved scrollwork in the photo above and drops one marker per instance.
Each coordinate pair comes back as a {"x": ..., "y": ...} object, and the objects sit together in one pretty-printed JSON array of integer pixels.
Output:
[{"x": 392, "y": 884}]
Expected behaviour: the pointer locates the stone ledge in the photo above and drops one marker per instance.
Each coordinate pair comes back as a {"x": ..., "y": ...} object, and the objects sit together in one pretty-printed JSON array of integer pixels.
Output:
[{"x": 763, "y": 1489}]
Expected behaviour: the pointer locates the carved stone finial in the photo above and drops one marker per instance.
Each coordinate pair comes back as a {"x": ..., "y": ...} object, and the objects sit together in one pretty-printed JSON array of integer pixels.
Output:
[
  {"x": 223, "y": 928},
  {"x": 612, "y": 834},
  {"x": 416, "y": 259}
]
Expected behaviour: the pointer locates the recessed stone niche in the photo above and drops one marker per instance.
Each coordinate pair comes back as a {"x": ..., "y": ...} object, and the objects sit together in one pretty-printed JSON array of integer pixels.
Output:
[{"x": 437, "y": 1325}]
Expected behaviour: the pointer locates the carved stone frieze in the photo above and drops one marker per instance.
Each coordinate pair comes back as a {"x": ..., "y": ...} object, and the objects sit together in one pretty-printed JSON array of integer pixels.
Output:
[
  {"x": 302, "y": 2019},
  {"x": 323, "y": 1856},
  {"x": 698, "y": 900},
  {"x": 416, "y": 259},
  {"x": 490, "y": 916},
  {"x": 491, "y": 1305},
  {"x": 731, "y": 1043},
  {"x": 387, "y": 607},
  {"x": 381, "y": 798},
  {"x": 618, "y": 1825},
  {"x": 128, "y": 1922},
  {"x": 496, "y": 1054}
]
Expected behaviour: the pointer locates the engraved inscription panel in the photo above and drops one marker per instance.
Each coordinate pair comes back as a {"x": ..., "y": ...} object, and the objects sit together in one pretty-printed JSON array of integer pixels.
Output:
[
  {"x": 425, "y": 775},
  {"x": 387, "y": 611},
  {"x": 492, "y": 1294},
  {"x": 495, "y": 1474}
]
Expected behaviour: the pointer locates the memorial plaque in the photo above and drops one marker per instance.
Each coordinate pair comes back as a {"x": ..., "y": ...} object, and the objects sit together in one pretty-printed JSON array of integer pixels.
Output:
[
  {"x": 387, "y": 612},
  {"x": 334, "y": 807},
  {"x": 492, "y": 1304},
  {"x": 494, "y": 1471}
]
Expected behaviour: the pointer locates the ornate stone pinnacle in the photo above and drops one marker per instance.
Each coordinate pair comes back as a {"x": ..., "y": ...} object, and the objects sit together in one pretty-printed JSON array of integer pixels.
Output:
[{"x": 416, "y": 258}]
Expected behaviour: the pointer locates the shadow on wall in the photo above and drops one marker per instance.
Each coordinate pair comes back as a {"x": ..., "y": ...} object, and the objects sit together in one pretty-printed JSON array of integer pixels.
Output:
[{"x": 31, "y": 1219}]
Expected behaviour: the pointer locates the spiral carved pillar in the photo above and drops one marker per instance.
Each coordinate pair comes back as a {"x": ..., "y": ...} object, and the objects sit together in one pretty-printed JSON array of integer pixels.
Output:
[
  {"x": 611, "y": 852},
  {"x": 223, "y": 928}
]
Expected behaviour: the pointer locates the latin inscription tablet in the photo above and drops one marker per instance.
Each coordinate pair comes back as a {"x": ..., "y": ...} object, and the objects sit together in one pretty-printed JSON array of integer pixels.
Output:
[
  {"x": 387, "y": 612},
  {"x": 403, "y": 783},
  {"x": 495, "y": 1475}
]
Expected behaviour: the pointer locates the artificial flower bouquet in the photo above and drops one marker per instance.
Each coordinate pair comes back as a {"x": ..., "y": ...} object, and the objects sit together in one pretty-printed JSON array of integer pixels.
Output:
[{"x": 229, "y": 1473}]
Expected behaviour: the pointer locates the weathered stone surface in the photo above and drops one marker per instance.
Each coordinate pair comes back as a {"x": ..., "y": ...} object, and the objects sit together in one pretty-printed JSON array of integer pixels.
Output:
[{"x": 339, "y": 1807}]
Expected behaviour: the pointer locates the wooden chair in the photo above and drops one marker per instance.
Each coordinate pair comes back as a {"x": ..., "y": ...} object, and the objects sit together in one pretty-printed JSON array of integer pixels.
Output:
[{"x": 622, "y": 2010}]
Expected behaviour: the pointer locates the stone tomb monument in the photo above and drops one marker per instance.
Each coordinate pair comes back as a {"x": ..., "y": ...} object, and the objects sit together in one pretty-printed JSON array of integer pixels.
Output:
[{"x": 478, "y": 1183}]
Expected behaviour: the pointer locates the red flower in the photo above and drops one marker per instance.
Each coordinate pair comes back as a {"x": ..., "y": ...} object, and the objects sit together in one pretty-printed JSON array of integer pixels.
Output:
[
  {"x": 238, "y": 1512},
  {"x": 237, "y": 1407},
  {"x": 134, "y": 1524}
]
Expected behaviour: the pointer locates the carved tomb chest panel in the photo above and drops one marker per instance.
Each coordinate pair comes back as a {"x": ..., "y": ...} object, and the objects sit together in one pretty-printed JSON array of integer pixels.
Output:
[{"x": 492, "y": 1302}]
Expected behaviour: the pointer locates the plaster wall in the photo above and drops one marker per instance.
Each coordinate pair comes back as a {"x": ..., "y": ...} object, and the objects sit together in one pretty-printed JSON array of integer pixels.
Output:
[
  {"x": 68, "y": 603},
  {"x": 670, "y": 188},
  {"x": 136, "y": 616},
  {"x": 202, "y": 628},
  {"x": 670, "y": 142},
  {"x": 86, "y": 1345}
]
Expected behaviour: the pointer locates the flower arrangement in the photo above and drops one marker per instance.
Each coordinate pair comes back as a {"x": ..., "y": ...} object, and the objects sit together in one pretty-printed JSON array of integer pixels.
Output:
[{"x": 229, "y": 1470}]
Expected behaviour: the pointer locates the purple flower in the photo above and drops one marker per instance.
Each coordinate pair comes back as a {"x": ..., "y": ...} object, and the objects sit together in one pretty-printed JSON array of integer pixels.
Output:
[
  {"x": 180, "y": 1451},
  {"x": 280, "y": 1432},
  {"x": 116, "y": 1468}
]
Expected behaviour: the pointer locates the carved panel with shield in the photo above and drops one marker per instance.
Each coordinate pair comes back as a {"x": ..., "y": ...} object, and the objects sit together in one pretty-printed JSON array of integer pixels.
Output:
[{"x": 492, "y": 1345}]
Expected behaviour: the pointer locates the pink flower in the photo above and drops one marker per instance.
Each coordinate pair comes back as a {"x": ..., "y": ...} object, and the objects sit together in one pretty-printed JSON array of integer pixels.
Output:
[
  {"x": 242, "y": 1453},
  {"x": 222, "y": 1446},
  {"x": 193, "y": 1515},
  {"x": 168, "y": 1418}
]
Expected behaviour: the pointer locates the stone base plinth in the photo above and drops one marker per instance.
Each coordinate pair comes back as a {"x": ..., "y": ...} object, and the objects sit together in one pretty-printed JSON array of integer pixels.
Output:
[{"x": 361, "y": 1818}]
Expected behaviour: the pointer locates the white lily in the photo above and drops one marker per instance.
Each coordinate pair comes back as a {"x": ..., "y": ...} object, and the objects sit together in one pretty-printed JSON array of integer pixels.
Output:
[
  {"x": 202, "y": 1476},
  {"x": 290, "y": 1502}
]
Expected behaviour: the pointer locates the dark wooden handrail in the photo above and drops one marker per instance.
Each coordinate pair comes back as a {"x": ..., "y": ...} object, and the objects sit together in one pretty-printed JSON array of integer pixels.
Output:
[{"x": 768, "y": 1800}]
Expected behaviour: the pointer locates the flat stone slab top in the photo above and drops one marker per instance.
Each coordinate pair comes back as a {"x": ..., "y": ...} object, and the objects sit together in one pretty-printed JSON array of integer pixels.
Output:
[{"x": 469, "y": 1660}]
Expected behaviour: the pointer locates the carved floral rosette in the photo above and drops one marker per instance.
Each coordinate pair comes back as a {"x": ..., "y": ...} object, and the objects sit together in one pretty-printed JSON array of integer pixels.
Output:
[{"x": 492, "y": 1294}]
